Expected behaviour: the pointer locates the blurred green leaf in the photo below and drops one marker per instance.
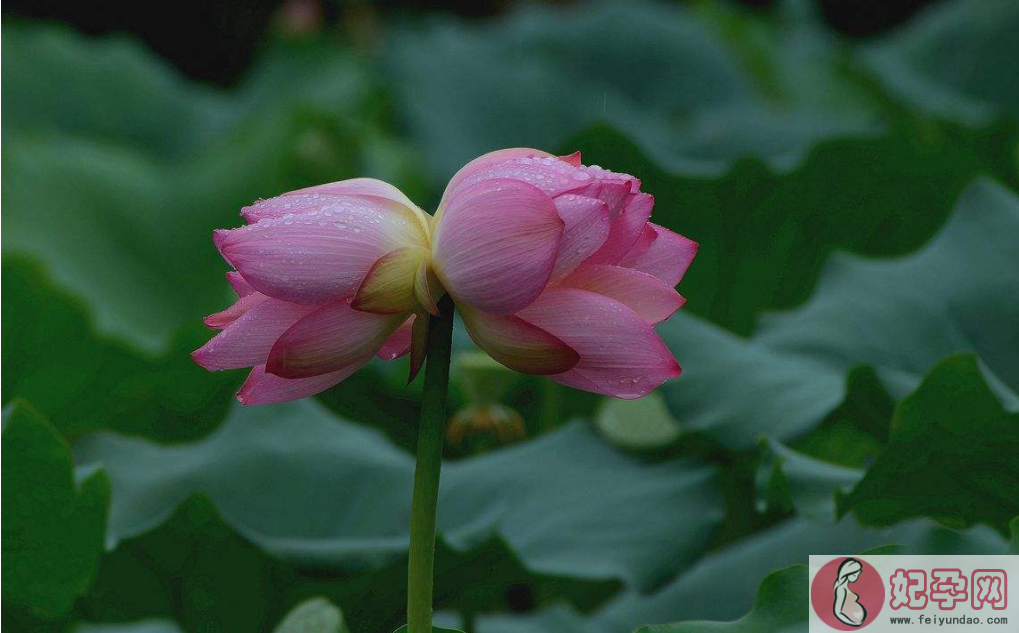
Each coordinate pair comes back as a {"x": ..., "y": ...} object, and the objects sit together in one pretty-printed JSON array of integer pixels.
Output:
[
  {"x": 84, "y": 382},
  {"x": 122, "y": 219},
  {"x": 316, "y": 615},
  {"x": 956, "y": 59},
  {"x": 130, "y": 236},
  {"x": 637, "y": 424},
  {"x": 765, "y": 237},
  {"x": 804, "y": 475},
  {"x": 935, "y": 463},
  {"x": 855, "y": 432},
  {"x": 403, "y": 629},
  {"x": 793, "y": 480},
  {"x": 196, "y": 569},
  {"x": 722, "y": 584},
  {"x": 143, "y": 626},
  {"x": 52, "y": 527},
  {"x": 791, "y": 55},
  {"x": 113, "y": 89},
  {"x": 110, "y": 207},
  {"x": 58, "y": 81},
  {"x": 193, "y": 569},
  {"x": 779, "y": 606},
  {"x": 292, "y": 509},
  {"x": 899, "y": 316},
  {"x": 953, "y": 454},
  {"x": 542, "y": 74}
]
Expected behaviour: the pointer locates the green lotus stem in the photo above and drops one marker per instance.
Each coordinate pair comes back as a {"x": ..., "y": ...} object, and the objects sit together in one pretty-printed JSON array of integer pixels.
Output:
[{"x": 431, "y": 430}]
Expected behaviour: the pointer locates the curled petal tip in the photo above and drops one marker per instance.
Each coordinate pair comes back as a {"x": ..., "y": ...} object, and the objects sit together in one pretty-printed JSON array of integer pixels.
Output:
[
  {"x": 572, "y": 159},
  {"x": 239, "y": 284},
  {"x": 201, "y": 358},
  {"x": 399, "y": 342},
  {"x": 261, "y": 388},
  {"x": 418, "y": 346},
  {"x": 218, "y": 238}
]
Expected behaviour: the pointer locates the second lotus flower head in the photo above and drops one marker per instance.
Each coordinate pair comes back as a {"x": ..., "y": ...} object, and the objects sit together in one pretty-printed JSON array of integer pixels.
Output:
[{"x": 553, "y": 266}]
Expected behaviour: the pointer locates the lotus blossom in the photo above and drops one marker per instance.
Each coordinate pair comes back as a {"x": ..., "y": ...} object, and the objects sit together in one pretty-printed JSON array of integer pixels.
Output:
[{"x": 553, "y": 266}]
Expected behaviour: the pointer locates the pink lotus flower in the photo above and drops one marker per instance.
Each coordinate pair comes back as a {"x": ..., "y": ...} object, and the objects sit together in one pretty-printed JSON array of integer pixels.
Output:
[{"x": 553, "y": 266}]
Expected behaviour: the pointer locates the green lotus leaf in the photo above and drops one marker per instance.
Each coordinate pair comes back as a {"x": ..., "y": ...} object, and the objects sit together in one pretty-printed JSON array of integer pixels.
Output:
[
  {"x": 315, "y": 490},
  {"x": 53, "y": 525}
]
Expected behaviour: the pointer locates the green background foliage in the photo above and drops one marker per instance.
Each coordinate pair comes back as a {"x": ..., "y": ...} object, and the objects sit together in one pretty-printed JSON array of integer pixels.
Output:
[{"x": 850, "y": 345}]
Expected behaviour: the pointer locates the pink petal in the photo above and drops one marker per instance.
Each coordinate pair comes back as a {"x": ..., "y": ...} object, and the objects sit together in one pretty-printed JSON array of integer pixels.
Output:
[
  {"x": 247, "y": 340},
  {"x": 496, "y": 244},
  {"x": 614, "y": 193},
  {"x": 620, "y": 354},
  {"x": 322, "y": 254},
  {"x": 398, "y": 342},
  {"x": 645, "y": 294},
  {"x": 517, "y": 344},
  {"x": 661, "y": 253},
  {"x": 222, "y": 319},
  {"x": 239, "y": 285},
  {"x": 361, "y": 187},
  {"x": 485, "y": 162},
  {"x": 626, "y": 229},
  {"x": 265, "y": 388},
  {"x": 587, "y": 227},
  {"x": 289, "y": 204},
  {"x": 647, "y": 236},
  {"x": 549, "y": 173},
  {"x": 329, "y": 339},
  {"x": 323, "y": 195}
]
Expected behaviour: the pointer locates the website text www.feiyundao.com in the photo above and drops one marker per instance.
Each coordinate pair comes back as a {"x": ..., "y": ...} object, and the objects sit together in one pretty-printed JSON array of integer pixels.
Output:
[
  {"x": 941, "y": 620},
  {"x": 885, "y": 593}
]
